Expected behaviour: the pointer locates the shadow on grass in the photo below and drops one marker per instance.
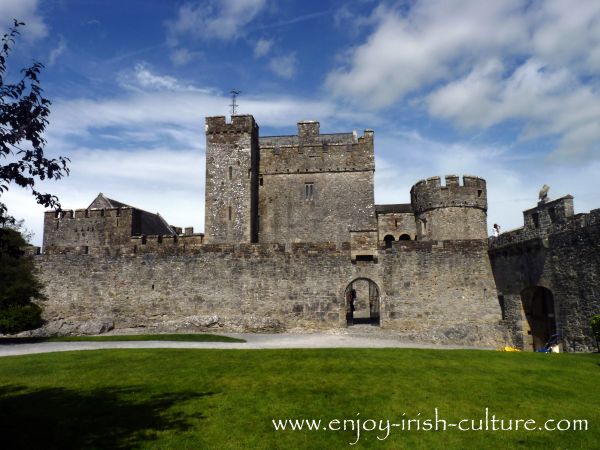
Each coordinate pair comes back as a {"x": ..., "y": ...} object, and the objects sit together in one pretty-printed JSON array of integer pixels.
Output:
[{"x": 60, "y": 418}]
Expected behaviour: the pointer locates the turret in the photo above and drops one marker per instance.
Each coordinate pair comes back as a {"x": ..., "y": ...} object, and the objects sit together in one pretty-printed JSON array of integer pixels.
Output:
[
  {"x": 231, "y": 196},
  {"x": 452, "y": 211}
]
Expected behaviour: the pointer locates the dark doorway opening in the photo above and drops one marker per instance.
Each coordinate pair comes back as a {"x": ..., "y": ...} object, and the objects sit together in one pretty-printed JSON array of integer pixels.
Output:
[
  {"x": 362, "y": 302},
  {"x": 404, "y": 237},
  {"x": 388, "y": 239},
  {"x": 538, "y": 305}
]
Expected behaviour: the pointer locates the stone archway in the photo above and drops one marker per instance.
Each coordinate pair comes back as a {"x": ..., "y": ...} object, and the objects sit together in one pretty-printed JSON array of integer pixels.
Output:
[
  {"x": 388, "y": 239},
  {"x": 364, "y": 295},
  {"x": 538, "y": 307},
  {"x": 404, "y": 237}
]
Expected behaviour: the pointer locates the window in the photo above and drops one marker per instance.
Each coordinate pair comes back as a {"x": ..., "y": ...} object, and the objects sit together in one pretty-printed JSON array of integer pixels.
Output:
[
  {"x": 230, "y": 172},
  {"x": 552, "y": 214},
  {"x": 309, "y": 189},
  {"x": 229, "y": 214},
  {"x": 536, "y": 220}
]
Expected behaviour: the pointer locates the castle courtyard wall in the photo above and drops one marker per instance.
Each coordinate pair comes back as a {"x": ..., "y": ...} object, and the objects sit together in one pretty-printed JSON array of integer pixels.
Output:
[
  {"x": 429, "y": 292},
  {"x": 567, "y": 263}
]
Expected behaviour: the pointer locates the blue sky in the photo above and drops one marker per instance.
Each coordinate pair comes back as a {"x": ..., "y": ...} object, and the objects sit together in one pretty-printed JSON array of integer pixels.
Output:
[{"x": 506, "y": 90}]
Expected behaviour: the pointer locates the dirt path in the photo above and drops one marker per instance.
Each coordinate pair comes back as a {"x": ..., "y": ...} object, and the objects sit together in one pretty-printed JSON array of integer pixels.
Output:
[{"x": 253, "y": 341}]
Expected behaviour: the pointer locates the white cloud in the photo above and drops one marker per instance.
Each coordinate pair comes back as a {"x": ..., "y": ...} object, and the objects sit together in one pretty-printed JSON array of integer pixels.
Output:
[
  {"x": 57, "y": 51},
  {"x": 262, "y": 47},
  {"x": 24, "y": 11},
  {"x": 144, "y": 79},
  {"x": 222, "y": 20},
  {"x": 403, "y": 158},
  {"x": 284, "y": 66},
  {"x": 182, "y": 56},
  {"x": 479, "y": 64},
  {"x": 165, "y": 180}
]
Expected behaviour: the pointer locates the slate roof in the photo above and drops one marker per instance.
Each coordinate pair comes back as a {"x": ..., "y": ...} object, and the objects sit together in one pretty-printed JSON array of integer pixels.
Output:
[{"x": 148, "y": 223}]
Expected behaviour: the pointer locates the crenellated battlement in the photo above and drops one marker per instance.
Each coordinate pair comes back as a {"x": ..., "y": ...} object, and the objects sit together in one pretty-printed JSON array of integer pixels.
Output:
[
  {"x": 238, "y": 124},
  {"x": 540, "y": 222},
  {"x": 431, "y": 194},
  {"x": 82, "y": 213},
  {"x": 310, "y": 152}
]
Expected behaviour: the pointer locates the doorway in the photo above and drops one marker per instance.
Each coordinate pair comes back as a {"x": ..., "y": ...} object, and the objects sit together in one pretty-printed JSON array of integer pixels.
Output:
[
  {"x": 362, "y": 303},
  {"x": 538, "y": 306}
]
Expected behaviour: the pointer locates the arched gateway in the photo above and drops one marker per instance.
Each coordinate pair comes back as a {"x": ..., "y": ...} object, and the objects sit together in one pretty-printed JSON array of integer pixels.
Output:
[
  {"x": 362, "y": 302},
  {"x": 538, "y": 306}
]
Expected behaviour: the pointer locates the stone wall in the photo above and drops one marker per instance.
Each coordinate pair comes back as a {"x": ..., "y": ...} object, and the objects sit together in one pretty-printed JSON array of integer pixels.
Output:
[
  {"x": 430, "y": 292},
  {"x": 231, "y": 196},
  {"x": 566, "y": 262},
  {"x": 395, "y": 223},
  {"x": 88, "y": 228},
  {"x": 336, "y": 204},
  {"x": 452, "y": 211}
]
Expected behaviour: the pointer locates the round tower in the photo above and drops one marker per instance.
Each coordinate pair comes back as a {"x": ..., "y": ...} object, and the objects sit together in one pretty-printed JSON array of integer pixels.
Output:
[{"x": 453, "y": 211}]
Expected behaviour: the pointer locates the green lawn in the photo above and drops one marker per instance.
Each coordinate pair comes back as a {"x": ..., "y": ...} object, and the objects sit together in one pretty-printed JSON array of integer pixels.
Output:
[
  {"x": 197, "y": 399},
  {"x": 128, "y": 337}
]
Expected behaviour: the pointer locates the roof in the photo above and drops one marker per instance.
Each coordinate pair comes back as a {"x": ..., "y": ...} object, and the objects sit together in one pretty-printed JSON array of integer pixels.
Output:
[
  {"x": 101, "y": 201},
  {"x": 395, "y": 208},
  {"x": 149, "y": 223}
]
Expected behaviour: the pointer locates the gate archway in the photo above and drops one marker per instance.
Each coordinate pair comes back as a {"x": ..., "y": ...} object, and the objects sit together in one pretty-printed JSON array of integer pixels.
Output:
[
  {"x": 363, "y": 302},
  {"x": 538, "y": 306}
]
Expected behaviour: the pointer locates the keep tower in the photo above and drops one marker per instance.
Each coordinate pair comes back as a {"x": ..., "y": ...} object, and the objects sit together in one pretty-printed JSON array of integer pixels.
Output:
[
  {"x": 231, "y": 196},
  {"x": 450, "y": 212}
]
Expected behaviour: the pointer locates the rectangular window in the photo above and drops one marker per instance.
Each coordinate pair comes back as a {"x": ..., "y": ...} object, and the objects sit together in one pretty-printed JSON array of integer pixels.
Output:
[
  {"x": 229, "y": 214},
  {"x": 309, "y": 189},
  {"x": 536, "y": 220},
  {"x": 552, "y": 214}
]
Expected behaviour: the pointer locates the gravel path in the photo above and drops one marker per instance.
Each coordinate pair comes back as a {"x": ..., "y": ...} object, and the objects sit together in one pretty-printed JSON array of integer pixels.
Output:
[{"x": 354, "y": 339}]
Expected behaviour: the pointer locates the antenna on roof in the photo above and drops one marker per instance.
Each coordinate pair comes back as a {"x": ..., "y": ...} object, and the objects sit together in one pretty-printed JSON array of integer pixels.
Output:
[{"x": 234, "y": 93}]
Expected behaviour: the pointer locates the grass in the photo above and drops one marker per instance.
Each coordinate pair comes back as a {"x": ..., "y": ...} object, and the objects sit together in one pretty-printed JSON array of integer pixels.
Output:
[
  {"x": 129, "y": 337},
  {"x": 205, "y": 399}
]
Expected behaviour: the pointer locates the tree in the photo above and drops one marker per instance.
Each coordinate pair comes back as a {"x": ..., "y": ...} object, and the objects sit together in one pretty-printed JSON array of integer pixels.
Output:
[
  {"x": 18, "y": 285},
  {"x": 595, "y": 323},
  {"x": 23, "y": 118}
]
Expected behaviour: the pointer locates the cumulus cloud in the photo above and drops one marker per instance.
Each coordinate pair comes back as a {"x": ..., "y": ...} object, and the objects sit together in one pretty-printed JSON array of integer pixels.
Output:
[
  {"x": 221, "y": 20},
  {"x": 284, "y": 66},
  {"x": 477, "y": 64},
  {"x": 24, "y": 11},
  {"x": 262, "y": 47}
]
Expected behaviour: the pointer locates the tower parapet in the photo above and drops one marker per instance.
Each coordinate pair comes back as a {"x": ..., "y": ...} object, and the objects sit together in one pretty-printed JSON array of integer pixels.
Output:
[{"x": 452, "y": 211}]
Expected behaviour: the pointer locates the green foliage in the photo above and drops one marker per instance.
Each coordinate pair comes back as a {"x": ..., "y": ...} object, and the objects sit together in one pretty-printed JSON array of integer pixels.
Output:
[
  {"x": 18, "y": 285},
  {"x": 23, "y": 118},
  {"x": 19, "y": 318}
]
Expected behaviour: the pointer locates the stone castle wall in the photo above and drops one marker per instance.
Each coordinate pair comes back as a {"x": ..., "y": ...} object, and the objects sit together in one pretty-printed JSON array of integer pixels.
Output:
[
  {"x": 88, "y": 228},
  {"x": 565, "y": 260},
  {"x": 231, "y": 179},
  {"x": 396, "y": 225},
  {"x": 453, "y": 211},
  {"x": 430, "y": 292},
  {"x": 315, "y": 187},
  {"x": 337, "y": 203}
]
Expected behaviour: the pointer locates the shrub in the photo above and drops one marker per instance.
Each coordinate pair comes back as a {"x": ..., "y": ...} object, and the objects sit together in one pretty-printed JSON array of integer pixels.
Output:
[
  {"x": 19, "y": 318},
  {"x": 595, "y": 323},
  {"x": 18, "y": 285}
]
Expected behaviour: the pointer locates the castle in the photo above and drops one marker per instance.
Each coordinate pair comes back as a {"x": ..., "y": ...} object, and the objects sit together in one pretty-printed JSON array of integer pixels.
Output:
[{"x": 294, "y": 240}]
